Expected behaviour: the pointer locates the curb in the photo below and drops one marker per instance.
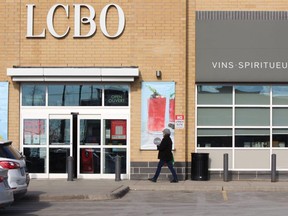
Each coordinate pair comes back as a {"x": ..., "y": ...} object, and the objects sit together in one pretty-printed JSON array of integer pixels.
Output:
[
  {"x": 116, "y": 194},
  {"x": 120, "y": 192}
]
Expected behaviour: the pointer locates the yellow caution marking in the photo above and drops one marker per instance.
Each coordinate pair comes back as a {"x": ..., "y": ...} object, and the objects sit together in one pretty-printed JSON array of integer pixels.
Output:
[{"x": 224, "y": 195}]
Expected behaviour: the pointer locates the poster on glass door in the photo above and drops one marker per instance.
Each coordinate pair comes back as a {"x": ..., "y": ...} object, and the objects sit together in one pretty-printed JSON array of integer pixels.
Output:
[
  {"x": 4, "y": 110},
  {"x": 158, "y": 112}
]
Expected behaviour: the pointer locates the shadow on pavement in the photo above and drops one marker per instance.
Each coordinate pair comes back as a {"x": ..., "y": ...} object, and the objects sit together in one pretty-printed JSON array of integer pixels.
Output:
[{"x": 24, "y": 208}]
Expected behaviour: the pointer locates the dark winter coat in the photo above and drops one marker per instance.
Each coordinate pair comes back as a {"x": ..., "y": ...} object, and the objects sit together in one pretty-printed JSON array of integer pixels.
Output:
[{"x": 165, "y": 149}]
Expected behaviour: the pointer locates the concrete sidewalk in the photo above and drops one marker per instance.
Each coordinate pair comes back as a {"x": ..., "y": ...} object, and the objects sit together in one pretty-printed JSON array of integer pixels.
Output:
[{"x": 61, "y": 189}]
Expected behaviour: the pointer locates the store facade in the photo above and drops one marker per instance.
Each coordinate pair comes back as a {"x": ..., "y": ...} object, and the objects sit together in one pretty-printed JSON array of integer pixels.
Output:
[
  {"x": 96, "y": 79},
  {"x": 87, "y": 121},
  {"x": 73, "y": 75},
  {"x": 241, "y": 79}
]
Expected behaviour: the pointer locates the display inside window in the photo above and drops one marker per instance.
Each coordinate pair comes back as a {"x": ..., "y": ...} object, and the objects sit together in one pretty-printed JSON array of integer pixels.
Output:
[
  {"x": 90, "y": 160},
  {"x": 118, "y": 130},
  {"x": 116, "y": 95},
  {"x": 207, "y": 138},
  {"x": 34, "y": 132},
  {"x": 252, "y": 138},
  {"x": 115, "y": 132},
  {"x": 280, "y": 138}
]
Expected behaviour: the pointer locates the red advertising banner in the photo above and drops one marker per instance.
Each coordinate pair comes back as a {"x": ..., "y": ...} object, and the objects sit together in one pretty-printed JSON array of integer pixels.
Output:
[{"x": 157, "y": 111}]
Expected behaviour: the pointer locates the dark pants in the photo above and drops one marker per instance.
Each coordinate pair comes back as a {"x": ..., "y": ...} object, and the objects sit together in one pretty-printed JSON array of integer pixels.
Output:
[{"x": 170, "y": 166}]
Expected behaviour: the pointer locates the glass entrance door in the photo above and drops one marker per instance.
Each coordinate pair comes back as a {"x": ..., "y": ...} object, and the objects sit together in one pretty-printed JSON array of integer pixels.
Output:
[
  {"x": 89, "y": 140},
  {"x": 59, "y": 145},
  {"x": 100, "y": 140},
  {"x": 92, "y": 140}
]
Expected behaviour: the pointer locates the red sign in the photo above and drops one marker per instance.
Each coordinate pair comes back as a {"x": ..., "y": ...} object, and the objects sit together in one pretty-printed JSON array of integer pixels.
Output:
[
  {"x": 179, "y": 122},
  {"x": 179, "y": 117},
  {"x": 118, "y": 129}
]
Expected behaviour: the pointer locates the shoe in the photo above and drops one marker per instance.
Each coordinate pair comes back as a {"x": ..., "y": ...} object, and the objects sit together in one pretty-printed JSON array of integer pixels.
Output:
[
  {"x": 152, "y": 179},
  {"x": 174, "y": 181}
]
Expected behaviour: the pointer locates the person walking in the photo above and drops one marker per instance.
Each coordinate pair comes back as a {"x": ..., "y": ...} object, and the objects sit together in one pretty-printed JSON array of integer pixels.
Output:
[{"x": 166, "y": 157}]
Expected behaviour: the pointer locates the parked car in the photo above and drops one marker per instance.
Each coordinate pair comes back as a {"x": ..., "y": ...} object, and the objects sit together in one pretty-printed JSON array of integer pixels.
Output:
[
  {"x": 12, "y": 160},
  {"x": 6, "y": 193}
]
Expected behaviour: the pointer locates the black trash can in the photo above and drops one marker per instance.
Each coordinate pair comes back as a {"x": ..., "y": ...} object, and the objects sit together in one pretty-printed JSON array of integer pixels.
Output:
[{"x": 199, "y": 166}]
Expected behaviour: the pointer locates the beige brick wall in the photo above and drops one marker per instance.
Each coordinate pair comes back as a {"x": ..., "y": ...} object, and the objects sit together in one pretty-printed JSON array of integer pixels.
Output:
[
  {"x": 190, "y": 129},
  {"x": 154, "y": 39},
  {"x": 9, "y": 56},
  {"x": 159, "y": 35}
]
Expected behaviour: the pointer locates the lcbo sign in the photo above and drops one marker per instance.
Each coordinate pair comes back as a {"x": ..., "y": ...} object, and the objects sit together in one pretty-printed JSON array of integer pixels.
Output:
[{"x": 78, "y": 20}]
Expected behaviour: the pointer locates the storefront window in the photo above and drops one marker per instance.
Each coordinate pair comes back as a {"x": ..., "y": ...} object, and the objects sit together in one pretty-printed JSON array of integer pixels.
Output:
[
  {"x": 256, "y": 138},
  {"x": 58, "y": 159},
  {"x": 116, "y": 95},
  {"x": 214, "y": 138},
  {"x": 90, "y": 160},
  {"x": 246, "y": 123},
  {"x": 248, "y": 95},
  {"x": 280, "y": 138},
  {"x": 214, "y": 116},
  {"x": 280, "y": 95},
  {"x": 36, "y": 159},
  {"x": 59, "y": 132},
  {"x": 280, "y": 117},
  {"x": 110, "y": 158},
  {"x": 34, "y": 132},
  {"x": 91, "y": 95},
  {"x": 214, "y": 94},
  {"x": 252, "y": 116},
  {"x": 90, "y": 132},
  {"x": 74, "y": 95},
  {"x": 115, "y": 132},
  {"x": 33, "y": 95}
]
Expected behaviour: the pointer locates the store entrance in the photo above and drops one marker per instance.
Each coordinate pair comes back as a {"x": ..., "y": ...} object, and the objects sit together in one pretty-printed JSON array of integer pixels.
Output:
[
  {"x": 93, "y": 140},
  {"x": 89, "y": 122}
]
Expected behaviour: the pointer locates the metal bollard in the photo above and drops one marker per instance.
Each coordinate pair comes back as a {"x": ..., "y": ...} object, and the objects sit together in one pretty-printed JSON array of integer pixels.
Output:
[
  {"x": 117, "y": 168},
  {"x": 225, "y": 168},
  {"x": 273, "y": 168},
  {"x": 70, "y": 171}
]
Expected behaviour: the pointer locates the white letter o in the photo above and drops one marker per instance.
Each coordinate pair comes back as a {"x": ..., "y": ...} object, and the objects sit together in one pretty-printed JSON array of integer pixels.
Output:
[{"x": 121, "y": 23}]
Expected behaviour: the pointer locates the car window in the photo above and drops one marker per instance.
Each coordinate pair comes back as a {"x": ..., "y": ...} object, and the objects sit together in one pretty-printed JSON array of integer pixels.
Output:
[{"x": 7, "y": 151}]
